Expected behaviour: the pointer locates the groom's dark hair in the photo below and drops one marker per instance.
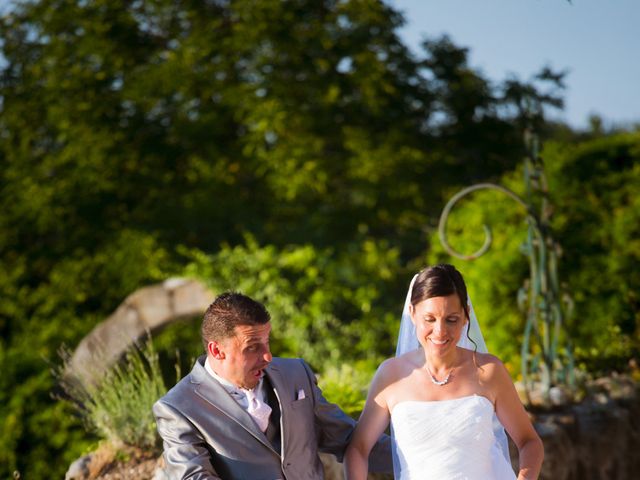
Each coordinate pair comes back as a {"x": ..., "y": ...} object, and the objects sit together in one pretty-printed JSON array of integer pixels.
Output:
[
  {"x": 440, "y": 281},
  {"x": 229, "y": 310}
]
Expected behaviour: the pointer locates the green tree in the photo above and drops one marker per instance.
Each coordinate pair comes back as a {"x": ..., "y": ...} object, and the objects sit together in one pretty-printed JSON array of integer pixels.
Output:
[{"x": 595, "y": 185}]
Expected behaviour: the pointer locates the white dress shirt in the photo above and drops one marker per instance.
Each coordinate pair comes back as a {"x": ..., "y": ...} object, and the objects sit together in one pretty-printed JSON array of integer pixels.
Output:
[{"x": 260, "y": 412}]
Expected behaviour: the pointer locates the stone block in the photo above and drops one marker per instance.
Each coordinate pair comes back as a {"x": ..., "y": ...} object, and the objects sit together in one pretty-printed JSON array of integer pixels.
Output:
[
  {"x": 189, "y": 298},
  {"x": 153, "y": 305},
  {"x": 106, "y": 343}
]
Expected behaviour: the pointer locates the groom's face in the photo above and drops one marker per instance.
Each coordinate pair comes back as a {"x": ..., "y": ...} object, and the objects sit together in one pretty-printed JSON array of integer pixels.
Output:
[{"x": 245, "y": 355}]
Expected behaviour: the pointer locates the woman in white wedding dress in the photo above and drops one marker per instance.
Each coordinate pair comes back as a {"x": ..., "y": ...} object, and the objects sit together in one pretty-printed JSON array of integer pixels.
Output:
[{"x": 443, "y": 399}]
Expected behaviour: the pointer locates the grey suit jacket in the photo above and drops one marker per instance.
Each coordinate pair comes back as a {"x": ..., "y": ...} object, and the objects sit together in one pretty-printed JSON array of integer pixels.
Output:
[{"x": 207, "y": 435}]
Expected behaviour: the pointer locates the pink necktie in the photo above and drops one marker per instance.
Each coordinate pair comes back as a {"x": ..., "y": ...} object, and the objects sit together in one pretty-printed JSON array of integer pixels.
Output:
[{"x": 258, "y": 410}]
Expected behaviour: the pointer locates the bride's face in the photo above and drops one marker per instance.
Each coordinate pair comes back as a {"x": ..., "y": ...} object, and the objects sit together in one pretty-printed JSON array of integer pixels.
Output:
[{"x": 439, "y": 323}]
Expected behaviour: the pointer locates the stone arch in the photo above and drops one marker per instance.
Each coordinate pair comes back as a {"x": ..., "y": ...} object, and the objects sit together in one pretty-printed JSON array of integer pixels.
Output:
[{"x": 145, "y": 310}]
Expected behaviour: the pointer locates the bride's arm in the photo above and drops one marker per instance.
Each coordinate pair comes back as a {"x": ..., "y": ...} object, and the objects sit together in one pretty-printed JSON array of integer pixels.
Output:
[
  {"x": 515, "y": 420},
  {"x": 372, "y": 423}
]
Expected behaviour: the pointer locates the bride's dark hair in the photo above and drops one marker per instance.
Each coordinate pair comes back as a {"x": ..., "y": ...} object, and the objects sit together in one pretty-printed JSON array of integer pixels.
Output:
[{"x": 441, "y": 281}]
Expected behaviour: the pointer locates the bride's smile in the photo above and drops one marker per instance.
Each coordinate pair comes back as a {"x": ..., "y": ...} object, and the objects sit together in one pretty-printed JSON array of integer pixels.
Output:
[{"x": 439, "y": 324}]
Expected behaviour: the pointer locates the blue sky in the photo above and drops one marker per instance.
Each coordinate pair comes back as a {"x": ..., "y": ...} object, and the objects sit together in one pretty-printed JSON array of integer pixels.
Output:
[{"x": 597, "y": 41}]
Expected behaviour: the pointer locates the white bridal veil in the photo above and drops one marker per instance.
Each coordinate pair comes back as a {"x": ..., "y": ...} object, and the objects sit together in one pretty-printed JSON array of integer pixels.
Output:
[{"x": 407, "y": 341}]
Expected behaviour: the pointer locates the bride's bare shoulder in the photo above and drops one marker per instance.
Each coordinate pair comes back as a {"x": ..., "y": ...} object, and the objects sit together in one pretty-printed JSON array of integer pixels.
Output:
[
  {"x": 395, "y": 367},
  {"x": 486, "y": 359},
  {"x": 489, "y": 366}
]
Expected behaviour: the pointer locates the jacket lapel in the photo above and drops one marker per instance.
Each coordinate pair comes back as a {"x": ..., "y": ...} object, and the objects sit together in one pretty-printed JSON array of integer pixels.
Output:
[
  {"x": 209, "y": 389},
  {"x": 280, "y": 387}
]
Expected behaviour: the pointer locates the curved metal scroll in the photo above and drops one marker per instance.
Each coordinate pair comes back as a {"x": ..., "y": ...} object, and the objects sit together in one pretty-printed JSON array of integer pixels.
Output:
[
  {"x": 487, "y": 230},
  {"x": 540, "y": 298}
]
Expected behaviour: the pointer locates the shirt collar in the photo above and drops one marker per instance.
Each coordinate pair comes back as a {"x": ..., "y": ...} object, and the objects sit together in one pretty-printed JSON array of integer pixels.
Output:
[{"x": 230, "y": 387}]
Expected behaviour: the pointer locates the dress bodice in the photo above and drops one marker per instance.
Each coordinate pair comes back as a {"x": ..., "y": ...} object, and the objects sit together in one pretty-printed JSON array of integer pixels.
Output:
[{"x": 448, "y": 440}]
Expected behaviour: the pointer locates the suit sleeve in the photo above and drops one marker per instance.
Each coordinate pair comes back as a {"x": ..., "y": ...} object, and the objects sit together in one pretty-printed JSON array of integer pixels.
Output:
[
  {"x": 335, "y": 429},
  {"x": 185, "y": 453}
]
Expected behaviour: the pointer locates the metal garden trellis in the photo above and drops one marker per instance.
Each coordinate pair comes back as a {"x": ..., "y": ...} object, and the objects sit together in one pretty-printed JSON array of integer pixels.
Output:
[{"x": 544, "y": 351}]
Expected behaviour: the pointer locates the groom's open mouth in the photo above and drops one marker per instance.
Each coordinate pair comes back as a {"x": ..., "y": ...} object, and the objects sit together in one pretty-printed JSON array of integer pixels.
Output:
[{"x": 259, "y": 372}]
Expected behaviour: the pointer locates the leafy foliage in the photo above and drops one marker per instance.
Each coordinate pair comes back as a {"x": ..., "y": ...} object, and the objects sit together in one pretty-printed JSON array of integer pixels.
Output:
[
  {"x": 347, "y": 386},
  {"x": 38, "y": 317},
  {"x": 596, "y": 185},
  {"x": 327, "y": 307},
  {"x": 595, "y": 220}
]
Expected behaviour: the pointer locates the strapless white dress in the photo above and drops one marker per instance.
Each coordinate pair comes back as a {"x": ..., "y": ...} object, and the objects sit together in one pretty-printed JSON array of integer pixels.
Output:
[{"x": 448, "y": 440}]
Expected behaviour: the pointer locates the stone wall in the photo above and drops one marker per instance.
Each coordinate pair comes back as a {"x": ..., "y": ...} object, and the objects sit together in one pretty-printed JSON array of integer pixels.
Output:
[{"x": 598, "y": 439}]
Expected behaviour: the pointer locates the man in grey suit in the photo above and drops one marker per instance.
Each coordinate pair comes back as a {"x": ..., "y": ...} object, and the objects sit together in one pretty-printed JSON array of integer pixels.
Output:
[{"x": 243, "y": 414}]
